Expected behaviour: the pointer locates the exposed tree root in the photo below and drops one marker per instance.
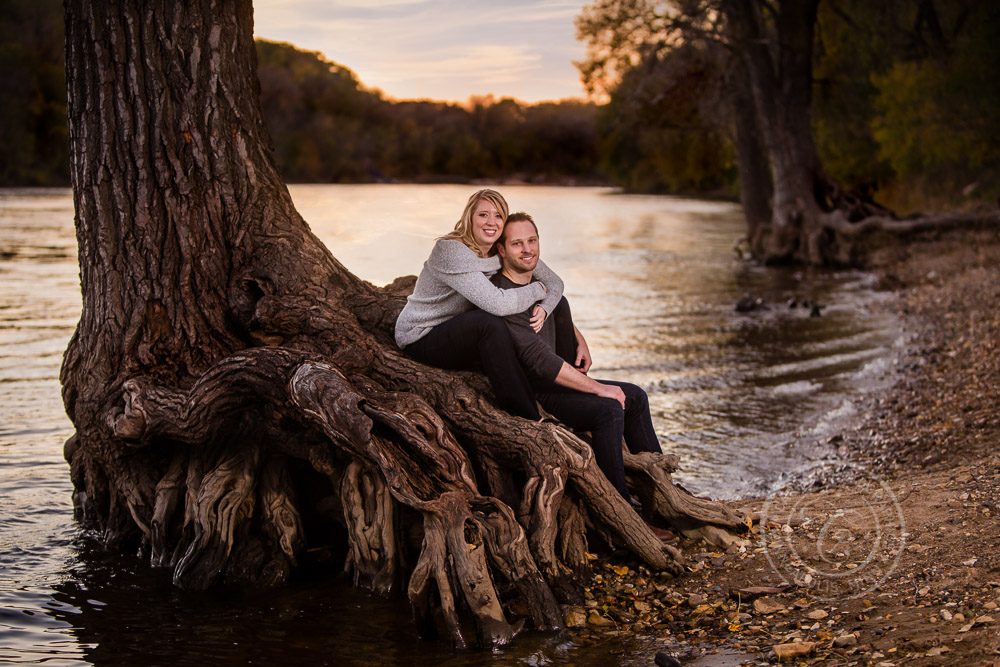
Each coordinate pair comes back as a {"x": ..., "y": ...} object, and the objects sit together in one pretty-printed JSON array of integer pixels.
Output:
[
  {"x": 837, "y": 237},
  {"x": 382, "y": 450},
  {"x": 239, "y": 401}
]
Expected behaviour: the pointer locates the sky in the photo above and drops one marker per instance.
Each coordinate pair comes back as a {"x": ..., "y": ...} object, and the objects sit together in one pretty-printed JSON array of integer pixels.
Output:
[{"x": 446, "y": 50}]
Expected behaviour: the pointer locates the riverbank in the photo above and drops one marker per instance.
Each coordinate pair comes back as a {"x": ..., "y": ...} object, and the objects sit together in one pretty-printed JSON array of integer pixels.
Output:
[{"x": 892, "y": 557}]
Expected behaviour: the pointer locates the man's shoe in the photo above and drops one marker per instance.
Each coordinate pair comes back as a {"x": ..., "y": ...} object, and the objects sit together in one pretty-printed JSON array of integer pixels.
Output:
[{"x": 662, "y": 534}]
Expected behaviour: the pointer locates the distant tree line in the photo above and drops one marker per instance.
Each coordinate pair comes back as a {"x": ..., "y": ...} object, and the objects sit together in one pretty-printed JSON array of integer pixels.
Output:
[{"x": 327, "y": 127}]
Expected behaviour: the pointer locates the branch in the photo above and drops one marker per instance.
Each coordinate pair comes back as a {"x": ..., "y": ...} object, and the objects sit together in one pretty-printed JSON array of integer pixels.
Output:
[{"x": 839, "y": 223}]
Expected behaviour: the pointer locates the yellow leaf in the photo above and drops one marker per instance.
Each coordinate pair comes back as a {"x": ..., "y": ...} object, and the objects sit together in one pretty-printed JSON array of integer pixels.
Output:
[{"x": 621, "y": 570}]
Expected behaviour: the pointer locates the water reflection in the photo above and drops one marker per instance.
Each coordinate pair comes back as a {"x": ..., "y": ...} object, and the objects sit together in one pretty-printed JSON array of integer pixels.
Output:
[{"x": 121, "y": 612}]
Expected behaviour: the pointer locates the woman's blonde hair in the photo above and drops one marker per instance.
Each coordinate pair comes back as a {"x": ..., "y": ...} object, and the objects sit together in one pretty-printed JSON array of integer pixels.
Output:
[{"x": 463, "y": 228}]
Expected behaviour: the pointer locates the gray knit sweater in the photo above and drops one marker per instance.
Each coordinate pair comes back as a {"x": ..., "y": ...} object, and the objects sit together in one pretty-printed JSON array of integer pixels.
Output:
[{"x": 455, "y": 280}]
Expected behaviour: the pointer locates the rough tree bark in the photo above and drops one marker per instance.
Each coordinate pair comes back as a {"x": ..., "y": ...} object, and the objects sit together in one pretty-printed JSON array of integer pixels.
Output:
[
  {"x": 237, "y": 397},
  {"x": 755, "y": 176},
  {"x": 776, "y": 52}
]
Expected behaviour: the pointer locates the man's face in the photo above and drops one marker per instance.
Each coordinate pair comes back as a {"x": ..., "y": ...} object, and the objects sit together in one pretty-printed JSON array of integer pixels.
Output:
[{"x": 520, "y": 248}]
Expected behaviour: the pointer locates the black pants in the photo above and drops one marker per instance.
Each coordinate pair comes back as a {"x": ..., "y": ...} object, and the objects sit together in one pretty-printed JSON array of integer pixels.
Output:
[
  {"x": 607, "y": 422},
  {"x": 561, "y": 320},
  {"x": 477, "y": 340}
]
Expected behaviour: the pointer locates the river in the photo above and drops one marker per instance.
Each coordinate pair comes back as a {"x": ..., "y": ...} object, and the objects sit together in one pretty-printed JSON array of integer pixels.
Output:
[{"x": 748, "y": 401}]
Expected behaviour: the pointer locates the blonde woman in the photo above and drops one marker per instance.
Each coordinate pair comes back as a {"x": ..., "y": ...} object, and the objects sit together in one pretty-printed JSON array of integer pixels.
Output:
[{"x": 453, "y": 318}]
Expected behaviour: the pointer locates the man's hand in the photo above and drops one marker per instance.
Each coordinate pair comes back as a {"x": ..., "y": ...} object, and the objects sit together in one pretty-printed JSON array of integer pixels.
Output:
[
  {"x": 612, "y": 391},
  {"x": 537, "y": 318},
  {"x": 583, "y": 359}
]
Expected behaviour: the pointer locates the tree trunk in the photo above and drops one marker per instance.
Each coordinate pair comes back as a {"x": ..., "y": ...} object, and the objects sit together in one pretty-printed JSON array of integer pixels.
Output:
[
  {"x": 777, "y": 54},
  {"x": 237, "y": 397},
  {"x": 811, "y": 219},
  {"x": 756, "y": 188}
]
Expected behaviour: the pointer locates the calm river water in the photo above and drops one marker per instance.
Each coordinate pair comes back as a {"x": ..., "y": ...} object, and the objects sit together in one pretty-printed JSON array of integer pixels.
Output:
[{"x": 746, "y": 400}]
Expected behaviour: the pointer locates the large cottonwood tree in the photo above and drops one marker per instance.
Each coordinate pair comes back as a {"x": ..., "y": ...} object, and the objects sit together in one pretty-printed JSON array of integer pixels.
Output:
[
  {"x": 237, "y": 397},
  {"x": 795, "y": 211}
]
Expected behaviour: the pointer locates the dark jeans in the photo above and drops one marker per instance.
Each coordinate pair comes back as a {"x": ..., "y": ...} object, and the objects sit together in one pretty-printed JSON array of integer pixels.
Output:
[
  {"x": 477, "y": 340},
  {"x": 607, "y": 422},
  {"x": 561, "y": 319}
]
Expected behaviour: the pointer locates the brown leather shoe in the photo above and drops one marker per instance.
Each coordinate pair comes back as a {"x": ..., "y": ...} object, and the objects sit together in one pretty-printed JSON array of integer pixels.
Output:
[{"x": 662, "y": 534}]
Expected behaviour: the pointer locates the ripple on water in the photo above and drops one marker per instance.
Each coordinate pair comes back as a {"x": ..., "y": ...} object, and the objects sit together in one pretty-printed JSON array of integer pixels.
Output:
[{"x": 742, "y": 399}]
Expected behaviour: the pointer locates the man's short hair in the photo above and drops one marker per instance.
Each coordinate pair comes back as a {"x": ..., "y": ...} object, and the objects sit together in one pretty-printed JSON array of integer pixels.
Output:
[{"x": 518, "y": 216}]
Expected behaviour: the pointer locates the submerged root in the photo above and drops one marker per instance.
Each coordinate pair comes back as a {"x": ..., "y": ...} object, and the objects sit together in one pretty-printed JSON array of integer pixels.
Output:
[{"x": 386, "y": 454}]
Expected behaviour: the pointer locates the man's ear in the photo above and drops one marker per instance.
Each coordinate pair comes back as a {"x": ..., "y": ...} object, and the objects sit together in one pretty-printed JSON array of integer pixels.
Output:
[{"x": 501, "y": 251}]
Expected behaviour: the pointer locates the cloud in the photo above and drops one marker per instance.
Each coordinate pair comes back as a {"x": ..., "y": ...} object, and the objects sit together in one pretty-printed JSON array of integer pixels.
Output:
[
  {"x": 486, "y": 64},
  {"x": 374, "y": 4},
  {"x": 438, "y": 48}
]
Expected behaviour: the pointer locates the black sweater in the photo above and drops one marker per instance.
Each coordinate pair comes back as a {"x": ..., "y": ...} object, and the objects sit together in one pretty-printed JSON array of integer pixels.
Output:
[{"x": 535, "y": 350}]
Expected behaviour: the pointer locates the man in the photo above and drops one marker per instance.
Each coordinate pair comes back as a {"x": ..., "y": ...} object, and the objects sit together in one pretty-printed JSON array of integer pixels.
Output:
[{"x": 609, "y": 410}]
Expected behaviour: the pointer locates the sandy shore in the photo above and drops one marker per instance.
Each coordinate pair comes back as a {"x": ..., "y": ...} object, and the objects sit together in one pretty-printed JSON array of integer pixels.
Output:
[{"x": 895, "y": 558}]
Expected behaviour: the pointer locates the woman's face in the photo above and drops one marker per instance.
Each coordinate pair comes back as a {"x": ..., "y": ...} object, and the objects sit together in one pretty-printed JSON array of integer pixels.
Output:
[{"x": 487, "y": 223}]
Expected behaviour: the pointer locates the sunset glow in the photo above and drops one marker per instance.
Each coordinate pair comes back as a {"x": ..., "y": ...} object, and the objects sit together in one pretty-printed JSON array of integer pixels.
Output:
[{"x": 438, "y": 49}]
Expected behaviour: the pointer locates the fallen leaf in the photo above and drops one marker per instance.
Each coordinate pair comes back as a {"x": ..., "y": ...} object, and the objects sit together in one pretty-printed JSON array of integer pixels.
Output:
[
  {"x": 793, "y": 650},
  {"x": 767, "y": 606},
  {"x": 696, "y": 599},
  {"x": 596, "y": 619},
  {"x": 702, "y": 610},
  {"x": 574, "y": 617}
]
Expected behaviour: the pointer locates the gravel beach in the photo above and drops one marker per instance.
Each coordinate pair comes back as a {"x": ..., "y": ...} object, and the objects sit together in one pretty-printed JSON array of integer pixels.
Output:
[{"x": 893, "y": 558}]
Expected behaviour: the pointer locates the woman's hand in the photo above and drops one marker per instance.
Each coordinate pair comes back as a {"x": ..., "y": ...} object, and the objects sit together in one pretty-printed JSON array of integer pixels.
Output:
[{"x": 537, "y": 318}]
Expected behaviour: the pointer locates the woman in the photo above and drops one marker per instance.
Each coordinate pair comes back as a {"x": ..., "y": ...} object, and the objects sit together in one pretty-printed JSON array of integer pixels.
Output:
[{"x": 452, "y": 319}]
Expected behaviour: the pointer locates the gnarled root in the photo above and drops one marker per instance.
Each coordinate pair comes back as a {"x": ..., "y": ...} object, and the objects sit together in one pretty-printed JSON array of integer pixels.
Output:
[
  {"x": 371, "y": 527},
  {"x": 441, "y": 487},
  {"x": 454, "y": 551},
  {"x": 693, "y": 516},
  {"x": 380, "y": 452}
]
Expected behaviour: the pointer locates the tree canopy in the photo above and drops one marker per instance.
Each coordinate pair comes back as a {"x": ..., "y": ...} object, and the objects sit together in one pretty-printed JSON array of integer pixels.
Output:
[
  {"x": 328, "y": 127},
  {"x": 903, "y": 96},
  {"x": 903, "y": 101}
]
